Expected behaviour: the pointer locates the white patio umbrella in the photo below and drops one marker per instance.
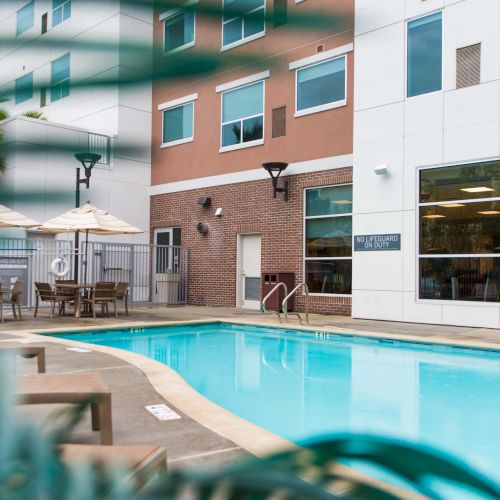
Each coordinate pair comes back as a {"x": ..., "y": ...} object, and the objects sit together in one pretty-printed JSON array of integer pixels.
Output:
[
  {"x": 88, "y": 219},
  {"x": 9, "y": 218}
]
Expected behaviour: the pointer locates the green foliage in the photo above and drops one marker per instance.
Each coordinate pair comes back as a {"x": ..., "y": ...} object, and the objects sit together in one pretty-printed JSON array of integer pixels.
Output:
[
  {"x": 30, "y": 467},
  {"x": 38, "y": 115}
]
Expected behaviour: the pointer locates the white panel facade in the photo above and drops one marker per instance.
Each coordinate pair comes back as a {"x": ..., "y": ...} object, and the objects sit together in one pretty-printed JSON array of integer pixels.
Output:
[
  {"x": 406, "y": 133},
  {"x": 121, "y": 113}
]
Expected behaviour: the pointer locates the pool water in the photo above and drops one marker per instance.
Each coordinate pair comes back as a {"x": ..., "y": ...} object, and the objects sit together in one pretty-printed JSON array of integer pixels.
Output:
[{"x": 301, "y": 385}]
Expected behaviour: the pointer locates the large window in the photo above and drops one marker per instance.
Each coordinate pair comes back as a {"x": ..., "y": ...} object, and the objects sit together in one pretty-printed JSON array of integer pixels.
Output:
[
  {"x": 425, "y": 55},
  {"x": 61, "y": 10},
  {"x": 178, "y": 124},
  {"x": 243, "y": 21},
  {"x": 459, "y": 221},
  {"x": 243, "y": 116},
  {"x": 321, "y": 86},
  {"x": 179, "y": 31},
  {"x": 24, "y": 88},
  {"x": 60, "y": 78},
  {"x": 328, "y": 239},
  {"x": 25, "y": 17}
]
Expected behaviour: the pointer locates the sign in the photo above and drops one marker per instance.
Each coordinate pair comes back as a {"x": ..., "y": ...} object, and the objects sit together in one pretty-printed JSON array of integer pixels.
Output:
[
  {"x": 377, "y": 242},
  {"x": 162, "y": 412},
  {"x": 13, "y": 269}
]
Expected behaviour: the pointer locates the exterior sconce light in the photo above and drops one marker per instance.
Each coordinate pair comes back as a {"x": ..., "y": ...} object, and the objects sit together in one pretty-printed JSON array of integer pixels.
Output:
[
  {"x": 274, "y": 169},
  {"x": 202, "y": 228},
  {"x": 381, "y": 170}
]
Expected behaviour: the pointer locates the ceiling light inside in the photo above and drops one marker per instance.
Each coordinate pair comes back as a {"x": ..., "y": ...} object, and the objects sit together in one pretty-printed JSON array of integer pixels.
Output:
[
  {"x": 480, "y": 189},
  {"x": 452, "y": 205},
  {"x": 489, "y": 212},
  {"x": 343, "y": 202},
  {"x": 435, "y": 216}
]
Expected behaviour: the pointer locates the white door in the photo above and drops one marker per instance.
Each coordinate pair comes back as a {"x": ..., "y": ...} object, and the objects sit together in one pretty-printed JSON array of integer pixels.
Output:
[{"x": 249, "y": 271}]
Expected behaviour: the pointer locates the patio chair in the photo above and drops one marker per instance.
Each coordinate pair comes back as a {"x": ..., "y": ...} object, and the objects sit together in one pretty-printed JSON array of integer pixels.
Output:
[
  {"x": 16, "y": 298},
  {"x": 102, "y": 293},
  {"x": 122, "y": 294},
  {"x": 140, "y": 462},
  {"x": 45, "y": 293},
  {"x": 62, "y": 291},
  {"x": 27, "y": 351},
  {"x": 70, "y": 388}
]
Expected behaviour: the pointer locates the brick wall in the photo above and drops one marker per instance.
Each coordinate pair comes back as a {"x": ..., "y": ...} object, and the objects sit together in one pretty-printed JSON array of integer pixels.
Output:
[{"x": 246, "y": 208}]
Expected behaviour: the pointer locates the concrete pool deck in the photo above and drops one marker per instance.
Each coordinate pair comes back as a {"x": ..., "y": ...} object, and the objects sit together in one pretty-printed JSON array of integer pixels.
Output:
[{"x": 206, "y": 435}]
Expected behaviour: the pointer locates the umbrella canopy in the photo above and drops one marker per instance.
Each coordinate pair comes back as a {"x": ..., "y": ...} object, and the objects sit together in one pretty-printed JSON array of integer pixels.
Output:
[
  {"x": 88, "y": 219},
  {"x": 9, "y": 218}
]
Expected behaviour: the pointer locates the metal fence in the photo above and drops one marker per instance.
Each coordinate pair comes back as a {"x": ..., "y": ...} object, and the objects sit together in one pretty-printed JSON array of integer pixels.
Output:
[{"x": 156, "y": 274}]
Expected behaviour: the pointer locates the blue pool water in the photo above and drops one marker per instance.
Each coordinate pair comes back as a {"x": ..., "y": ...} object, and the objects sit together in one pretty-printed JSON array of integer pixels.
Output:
[{"x": 300, "y": 386}]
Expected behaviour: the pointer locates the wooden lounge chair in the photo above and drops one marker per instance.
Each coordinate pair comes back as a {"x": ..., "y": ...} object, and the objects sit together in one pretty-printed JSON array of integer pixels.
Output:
[
  {"x": 122, "y": 294},
  {"x": 70, "y": 388},
  {"x": 141, "y": 462},
  {"x": 27, "y": 351},
  {"x": 45, "y": 293},
  {"x": 103, "y": 293}
]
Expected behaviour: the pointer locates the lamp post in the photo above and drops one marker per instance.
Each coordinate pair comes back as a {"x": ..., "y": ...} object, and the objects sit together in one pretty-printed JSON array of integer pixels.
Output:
[
  {"x": 274, "y": 169},
  {"x": 88, "y": 160}
]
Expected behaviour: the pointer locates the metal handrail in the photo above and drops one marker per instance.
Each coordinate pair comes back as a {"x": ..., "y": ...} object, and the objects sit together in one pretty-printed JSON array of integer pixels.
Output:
[
  {"x": 265, "y": 299},
  {"x": 284, "y": 307}
]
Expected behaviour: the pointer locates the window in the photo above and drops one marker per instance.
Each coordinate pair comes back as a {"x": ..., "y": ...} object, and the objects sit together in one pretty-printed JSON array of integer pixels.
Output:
[
  {"x": 179, "y": 31},
  {"x": 243, "y": 116},
  {"x": 459, "y": 241},
  {"x": 24, "y": 88},
  {"x": 328, "y": 239},
  {"x": 178, "y": 124},
  {"x": 61, "y": 10},
  {"x": 321, "y": 86},
  {"x": 425, "y": 55},
  {"x": 243, "y": 21},
  {"x": 60, "y": 78},
  {"x": 25, "y": 17}
]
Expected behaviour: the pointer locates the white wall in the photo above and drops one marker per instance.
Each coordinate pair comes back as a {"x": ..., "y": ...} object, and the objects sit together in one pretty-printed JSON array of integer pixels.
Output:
[
  {"x": 453, "y": 125},
  {"x": 123, "y": 113}
]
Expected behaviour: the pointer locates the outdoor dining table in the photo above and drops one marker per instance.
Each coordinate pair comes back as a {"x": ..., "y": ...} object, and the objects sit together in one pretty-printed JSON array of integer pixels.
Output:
[{"x": 77, "y": 288}]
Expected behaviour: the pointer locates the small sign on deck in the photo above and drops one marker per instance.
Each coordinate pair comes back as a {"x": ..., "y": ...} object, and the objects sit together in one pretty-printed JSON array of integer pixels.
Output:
[
  {"x": 377, "y": 242},
  {"x": 162, "y": 412},
  {"x": 77, "y": 349}
]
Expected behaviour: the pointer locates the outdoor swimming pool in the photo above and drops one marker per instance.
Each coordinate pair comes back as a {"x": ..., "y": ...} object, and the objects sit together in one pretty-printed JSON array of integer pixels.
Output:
[{"x": 300, "y": 385}]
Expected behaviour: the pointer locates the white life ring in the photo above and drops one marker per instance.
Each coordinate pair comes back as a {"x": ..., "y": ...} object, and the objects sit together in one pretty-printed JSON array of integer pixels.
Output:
[{"x": 54, "y": 267}]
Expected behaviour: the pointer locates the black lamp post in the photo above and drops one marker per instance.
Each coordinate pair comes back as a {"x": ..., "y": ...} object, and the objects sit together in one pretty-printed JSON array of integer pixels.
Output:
[
  {"x": 274, "y": 169},
  {"x": 88, "y": 160}
]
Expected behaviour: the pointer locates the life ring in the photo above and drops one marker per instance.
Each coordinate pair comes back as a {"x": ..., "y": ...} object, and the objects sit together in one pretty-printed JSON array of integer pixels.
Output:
[{"x": 54, "y": 267}]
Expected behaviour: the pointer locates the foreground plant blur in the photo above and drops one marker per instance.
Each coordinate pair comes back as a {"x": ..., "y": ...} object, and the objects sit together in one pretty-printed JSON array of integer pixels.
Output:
[{"x": 30, "y": 467}]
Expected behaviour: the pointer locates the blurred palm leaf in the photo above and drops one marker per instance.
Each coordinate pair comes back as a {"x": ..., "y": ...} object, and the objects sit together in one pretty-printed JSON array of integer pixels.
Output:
[{"x": 38, "y": 115}]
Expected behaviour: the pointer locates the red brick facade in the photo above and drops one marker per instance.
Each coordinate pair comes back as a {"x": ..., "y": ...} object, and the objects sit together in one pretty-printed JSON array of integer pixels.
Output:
[{"x": 247, "y": 207}]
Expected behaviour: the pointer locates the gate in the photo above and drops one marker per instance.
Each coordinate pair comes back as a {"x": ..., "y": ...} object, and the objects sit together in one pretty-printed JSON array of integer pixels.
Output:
[{"x": 156, "y": 274}]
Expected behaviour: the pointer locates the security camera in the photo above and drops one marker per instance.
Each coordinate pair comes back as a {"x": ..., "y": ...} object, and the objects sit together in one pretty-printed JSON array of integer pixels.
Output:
[{"x": 381, "y": 170}]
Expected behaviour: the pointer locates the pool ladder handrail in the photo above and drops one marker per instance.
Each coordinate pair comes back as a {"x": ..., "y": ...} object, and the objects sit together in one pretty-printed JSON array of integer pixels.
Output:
[
  {"x": 284, "y": 305},
  {"x": 266, "y": 298}
]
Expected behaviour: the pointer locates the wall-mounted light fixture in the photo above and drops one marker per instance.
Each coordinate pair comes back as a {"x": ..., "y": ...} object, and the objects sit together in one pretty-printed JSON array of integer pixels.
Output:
[
  {"x": 205, "y": 201},
  {"x": 202, "y": 228},
  {"x": 381, "y": 170},
  {"x": 274, "y": 169}
]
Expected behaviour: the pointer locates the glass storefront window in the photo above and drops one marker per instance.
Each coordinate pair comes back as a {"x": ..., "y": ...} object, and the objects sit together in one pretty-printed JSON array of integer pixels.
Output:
[
  {"x": 328, "y": 239},
  {"x": 459, "y": 222}
]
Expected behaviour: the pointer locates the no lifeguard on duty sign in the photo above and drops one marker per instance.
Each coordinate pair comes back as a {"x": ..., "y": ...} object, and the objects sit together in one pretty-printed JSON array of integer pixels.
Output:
[{"x": 377, "y": 242}]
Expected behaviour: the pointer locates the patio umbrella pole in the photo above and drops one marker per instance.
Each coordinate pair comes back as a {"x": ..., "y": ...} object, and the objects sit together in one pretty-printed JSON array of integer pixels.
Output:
[
  {"x": 86, "y": 261},
  {"x": 77, "y": 247}
]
